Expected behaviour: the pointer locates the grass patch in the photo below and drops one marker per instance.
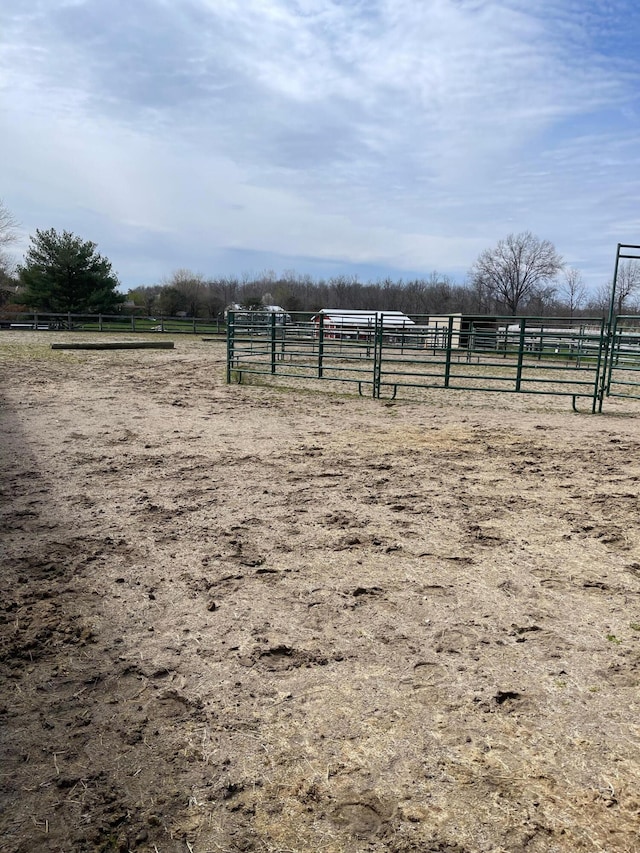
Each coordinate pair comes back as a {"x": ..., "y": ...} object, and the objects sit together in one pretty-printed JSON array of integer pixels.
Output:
[{"x": 12, "y": 353}]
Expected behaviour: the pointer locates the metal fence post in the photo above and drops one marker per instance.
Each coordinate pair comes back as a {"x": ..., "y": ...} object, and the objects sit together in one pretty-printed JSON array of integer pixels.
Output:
[
  {"x": 601, "y": 368},
  {"x": 523, "y": 323},
  {"x": 377, "y": 356},
  {"x": 320, "y": 345},
  {"x": 230, "y": 343},
  {"x": 273, "y": 341},
  {"x": 447, "y": 366}
]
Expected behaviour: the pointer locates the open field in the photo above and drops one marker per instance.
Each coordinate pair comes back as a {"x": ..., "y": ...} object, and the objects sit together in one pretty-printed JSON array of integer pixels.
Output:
[{"x": 281, "y": 618}]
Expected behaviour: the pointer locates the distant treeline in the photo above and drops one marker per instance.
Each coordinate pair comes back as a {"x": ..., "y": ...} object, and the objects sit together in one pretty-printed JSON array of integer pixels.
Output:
[
  {"x": 193, "y": 295},
  {"x": 522, "y": 275}
]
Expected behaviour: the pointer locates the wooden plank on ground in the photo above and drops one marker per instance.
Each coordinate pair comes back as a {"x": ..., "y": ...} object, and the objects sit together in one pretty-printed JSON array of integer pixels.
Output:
[{"x": 116, "y": 345}]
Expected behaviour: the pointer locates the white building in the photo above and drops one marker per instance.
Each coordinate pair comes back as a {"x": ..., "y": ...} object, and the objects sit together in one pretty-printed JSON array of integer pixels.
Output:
[{"x": 339, "y": 323}]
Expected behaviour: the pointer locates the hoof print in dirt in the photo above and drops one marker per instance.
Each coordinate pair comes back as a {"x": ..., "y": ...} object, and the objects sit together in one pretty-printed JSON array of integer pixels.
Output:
[
  {"x": 520, "y": 632},
  {"x": 507, "y": 697},
  {"x": 357, "y": 818},
  {"x": 634, "y": 569},
  {"x": 360, "y": 595},
  {"x": 341, "y": 519},
  {"x": 175, "y": 701},
  {"x": 347, "y": 542},
  {"x": 251, "y": 562},
  {"x": 367, "y": 590},
  {"x": 282, "y": 657},
  {"x": 362, "y": 815}
]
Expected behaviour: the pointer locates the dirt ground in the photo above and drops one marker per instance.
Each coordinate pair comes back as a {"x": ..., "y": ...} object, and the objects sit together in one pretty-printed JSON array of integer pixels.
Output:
[{"x": 253, "y": 618}]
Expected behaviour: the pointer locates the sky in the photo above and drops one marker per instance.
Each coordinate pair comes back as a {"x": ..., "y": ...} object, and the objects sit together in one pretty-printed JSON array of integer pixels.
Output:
[{"x": 367, "y": 138}]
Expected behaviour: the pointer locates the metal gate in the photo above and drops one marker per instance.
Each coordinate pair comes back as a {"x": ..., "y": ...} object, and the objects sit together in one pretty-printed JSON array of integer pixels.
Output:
[{"x": 525, "y": 355}]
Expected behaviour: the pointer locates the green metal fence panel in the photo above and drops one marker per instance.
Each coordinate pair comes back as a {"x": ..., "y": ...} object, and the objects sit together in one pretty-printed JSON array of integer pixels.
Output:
[
  {"x": 504, "y": 354},
  {"x": 269, "y": 343},
  {"x": 551, "y": 356}
]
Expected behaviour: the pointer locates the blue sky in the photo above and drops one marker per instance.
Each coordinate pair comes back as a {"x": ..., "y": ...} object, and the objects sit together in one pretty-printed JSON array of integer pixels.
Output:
[{"x": 368, "y": 137}]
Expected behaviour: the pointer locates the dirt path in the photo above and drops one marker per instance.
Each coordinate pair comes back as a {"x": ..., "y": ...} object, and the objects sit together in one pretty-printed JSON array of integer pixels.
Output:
[{"x": 282, "y": 619}]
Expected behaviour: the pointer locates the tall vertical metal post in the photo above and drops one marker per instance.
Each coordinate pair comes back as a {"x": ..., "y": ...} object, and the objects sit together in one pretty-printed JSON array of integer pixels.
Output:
[
  {"x": 447, "y": 365},
  {"x": 603, "y": 350},
  {"x": 320, "y": 345},
  {"x": 521, "y": 344},
  {"x": 230, "y": 343},
  {"x": 377, "y": 355},
  {"x": 273, "y": 341}
]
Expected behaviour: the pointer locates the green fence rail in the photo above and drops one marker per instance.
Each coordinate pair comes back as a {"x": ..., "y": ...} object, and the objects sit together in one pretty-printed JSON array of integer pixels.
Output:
[
  {"x": 56, "y": 322},
  {"x": 550, "y": 356}
]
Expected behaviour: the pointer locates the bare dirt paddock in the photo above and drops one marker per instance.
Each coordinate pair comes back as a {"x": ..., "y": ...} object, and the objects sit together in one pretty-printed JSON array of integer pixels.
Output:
[{"x": 252, "y": 618}]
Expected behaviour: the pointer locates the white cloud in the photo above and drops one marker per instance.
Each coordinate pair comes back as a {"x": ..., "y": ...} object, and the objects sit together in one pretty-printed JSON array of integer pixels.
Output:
[{"x": 404, "y": 132}]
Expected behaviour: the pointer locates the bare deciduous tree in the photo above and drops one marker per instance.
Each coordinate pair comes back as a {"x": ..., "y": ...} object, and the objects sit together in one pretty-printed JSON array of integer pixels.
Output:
[
  {"x": 8, "y": 235},
  {"x": 516, "y": 269},
  {"x": 188, "y": 292},
  {"x": 8, "y": 226},
  {"x": 627, "y": 284},
  {"x": 573, "y": 290}
]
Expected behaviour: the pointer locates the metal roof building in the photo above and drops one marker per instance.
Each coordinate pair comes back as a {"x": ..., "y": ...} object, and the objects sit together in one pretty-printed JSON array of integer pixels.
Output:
[{"x": 338, "y": 318}]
